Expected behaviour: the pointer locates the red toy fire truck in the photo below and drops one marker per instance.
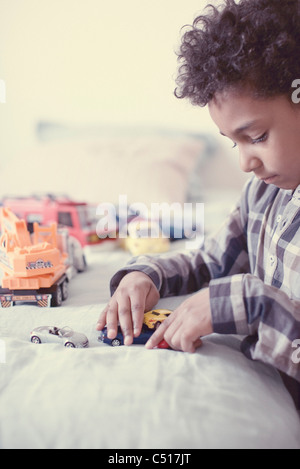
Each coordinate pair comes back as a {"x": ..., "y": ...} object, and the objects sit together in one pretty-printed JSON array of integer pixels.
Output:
[{"x": 44, "y": 210}]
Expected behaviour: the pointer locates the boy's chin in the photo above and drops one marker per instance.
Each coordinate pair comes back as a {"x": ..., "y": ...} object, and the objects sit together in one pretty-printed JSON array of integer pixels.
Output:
[{"x": 285, "y": 185}]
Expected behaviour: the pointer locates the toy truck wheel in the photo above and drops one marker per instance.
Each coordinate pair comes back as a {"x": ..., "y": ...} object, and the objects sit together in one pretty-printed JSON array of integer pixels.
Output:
[
  {"x": 35, "y": 340},
  {"x": 69, "y": 345},
  {"x": 115, "y": 342},
  {"x": 81, "y": 264},
  {"x": 57, "y": 297},
  {"x": 65, "y": 290}
]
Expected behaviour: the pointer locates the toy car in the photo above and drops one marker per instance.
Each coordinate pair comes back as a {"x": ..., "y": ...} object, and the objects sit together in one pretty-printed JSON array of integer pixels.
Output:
[
  {"x": 145, "y": 237},
  {"x": 119, "y": 340},
  {"x": 155, "y": 317},
  {"x": 65, "y": 336}
]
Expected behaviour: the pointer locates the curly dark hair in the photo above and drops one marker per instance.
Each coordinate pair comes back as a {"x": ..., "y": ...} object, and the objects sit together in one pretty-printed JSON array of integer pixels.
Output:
[{"x": 250, "y": 42}]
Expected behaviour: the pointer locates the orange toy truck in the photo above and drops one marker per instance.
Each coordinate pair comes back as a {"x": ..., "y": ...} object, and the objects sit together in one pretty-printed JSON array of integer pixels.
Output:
[{"x": 34, "y": 266}]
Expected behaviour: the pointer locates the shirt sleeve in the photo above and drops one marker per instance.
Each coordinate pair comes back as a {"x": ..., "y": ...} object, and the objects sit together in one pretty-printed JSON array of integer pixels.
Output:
[
  {"x": 244, "y": 305},
  {"x": 241, "y": 303}
]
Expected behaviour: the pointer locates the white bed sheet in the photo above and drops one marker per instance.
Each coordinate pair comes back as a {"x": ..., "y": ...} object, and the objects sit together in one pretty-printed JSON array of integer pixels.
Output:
[{"x": 129, "y": 397}]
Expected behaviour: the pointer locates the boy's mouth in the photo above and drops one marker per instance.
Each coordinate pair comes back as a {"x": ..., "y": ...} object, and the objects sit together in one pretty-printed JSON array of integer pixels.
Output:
[{"x": 268, "y": 180}]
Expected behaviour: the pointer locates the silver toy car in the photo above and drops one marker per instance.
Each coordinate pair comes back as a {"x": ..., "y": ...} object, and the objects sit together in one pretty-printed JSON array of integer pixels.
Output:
[{"x": 65, "y": 336}]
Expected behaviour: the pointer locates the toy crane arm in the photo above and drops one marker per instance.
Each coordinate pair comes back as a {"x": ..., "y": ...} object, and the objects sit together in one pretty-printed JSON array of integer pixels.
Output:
[{"x": 12, "y": 225}]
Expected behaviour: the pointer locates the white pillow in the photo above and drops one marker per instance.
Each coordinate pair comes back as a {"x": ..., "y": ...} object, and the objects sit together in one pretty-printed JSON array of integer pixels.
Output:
[{"x": 146, "y": 168}]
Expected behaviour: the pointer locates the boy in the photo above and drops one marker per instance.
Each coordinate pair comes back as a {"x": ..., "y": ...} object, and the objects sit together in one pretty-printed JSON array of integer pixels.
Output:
[{"x": 241, "y": 60}]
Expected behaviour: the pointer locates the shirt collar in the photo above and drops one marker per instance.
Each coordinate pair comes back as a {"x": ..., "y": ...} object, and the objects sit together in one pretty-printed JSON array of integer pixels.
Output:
[
  {"x": 296, "y": 192},
  {"x": 296, "y": 196}
]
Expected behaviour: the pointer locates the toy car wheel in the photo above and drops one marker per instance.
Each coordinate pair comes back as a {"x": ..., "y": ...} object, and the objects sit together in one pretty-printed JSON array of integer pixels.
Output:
[
  {"x": 115, "y": 342},
  {"x": 157, "y": 324},
  {"x": 36, "y": 340},
  {"x": 69, "y": 345},
  {"x": 57, "y": 297}
]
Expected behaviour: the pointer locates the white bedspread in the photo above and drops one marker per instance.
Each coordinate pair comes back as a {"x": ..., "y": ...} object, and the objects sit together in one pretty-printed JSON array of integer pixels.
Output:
[{"x": 129, "y": 397}]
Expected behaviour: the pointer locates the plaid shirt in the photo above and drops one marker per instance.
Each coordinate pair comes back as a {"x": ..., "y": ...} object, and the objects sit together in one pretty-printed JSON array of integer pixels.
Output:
[{"x": 252, "y": 268}]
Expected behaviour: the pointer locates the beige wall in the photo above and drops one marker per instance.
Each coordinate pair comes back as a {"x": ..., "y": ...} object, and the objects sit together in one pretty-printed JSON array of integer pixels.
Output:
[{"x": 91, "y": 61}]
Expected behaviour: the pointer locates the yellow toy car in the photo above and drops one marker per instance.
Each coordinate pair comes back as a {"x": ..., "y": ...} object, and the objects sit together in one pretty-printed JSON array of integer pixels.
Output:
[
  {"x": 145, "y": 237},
  {"x": 155, "y": 317}
]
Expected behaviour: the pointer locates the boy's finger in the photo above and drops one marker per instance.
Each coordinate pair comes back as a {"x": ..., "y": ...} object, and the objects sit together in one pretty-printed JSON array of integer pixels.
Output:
[
  {"x": 157, "y": 337},
  {"x": 151, "y": 298},
  {"x": 112, "y": 320},
  {"x": 124, "y": 311},
  {"x": 102, "y": 319},
  {"x": 198, "y": 343},
  {"x": 137, "y": 311},
  {"x": 190, "y": 345}
]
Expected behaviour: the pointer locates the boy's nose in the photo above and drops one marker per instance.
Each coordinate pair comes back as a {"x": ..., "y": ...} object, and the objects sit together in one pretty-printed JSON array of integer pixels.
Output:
[{"x": 249, "y": 162}]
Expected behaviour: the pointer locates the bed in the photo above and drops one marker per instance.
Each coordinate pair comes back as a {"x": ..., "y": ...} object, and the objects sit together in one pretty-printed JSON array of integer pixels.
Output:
[{"x": 105, "y": 397}]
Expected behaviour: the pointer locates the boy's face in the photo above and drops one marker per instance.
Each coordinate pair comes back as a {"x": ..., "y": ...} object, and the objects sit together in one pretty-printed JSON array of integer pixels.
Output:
[{"x": 266, "y": 132}]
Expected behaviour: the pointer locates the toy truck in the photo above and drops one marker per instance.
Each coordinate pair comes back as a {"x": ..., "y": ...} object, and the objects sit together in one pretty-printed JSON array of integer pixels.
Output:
[
  {"x": 45, "y": 209},
  {"x": 35, "y": 267}
]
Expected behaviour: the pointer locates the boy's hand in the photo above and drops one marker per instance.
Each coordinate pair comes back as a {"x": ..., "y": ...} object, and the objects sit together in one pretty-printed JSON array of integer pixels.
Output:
[
  {"x": 184, "y": 327},
  {"x": 135, "y": 294}
]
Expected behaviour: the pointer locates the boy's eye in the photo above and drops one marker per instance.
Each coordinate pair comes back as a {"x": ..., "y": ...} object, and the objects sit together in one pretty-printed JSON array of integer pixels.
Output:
[
  {"x": 253, "y": 141},
  {"x": 263, "y": 138}
]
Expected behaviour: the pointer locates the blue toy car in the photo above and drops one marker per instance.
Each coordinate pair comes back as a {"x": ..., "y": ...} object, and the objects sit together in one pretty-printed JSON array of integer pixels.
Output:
[{"x": 119, "y": 340}]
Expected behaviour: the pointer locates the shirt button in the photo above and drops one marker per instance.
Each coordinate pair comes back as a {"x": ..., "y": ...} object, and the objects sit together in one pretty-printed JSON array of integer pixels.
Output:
[
  {"x": 272, "y": 260},
  {"x": 278, "y": 218},
  {"x": 283, "y": 223}
]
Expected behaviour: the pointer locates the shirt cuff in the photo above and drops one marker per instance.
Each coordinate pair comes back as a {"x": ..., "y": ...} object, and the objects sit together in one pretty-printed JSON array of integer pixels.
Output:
[
  {"x": 227, "y": 305},
  {"x": 145, "y": 269}
]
